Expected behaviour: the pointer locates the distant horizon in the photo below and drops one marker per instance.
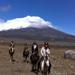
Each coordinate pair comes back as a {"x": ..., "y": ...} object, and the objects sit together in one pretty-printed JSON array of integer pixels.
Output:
[{"x": 58, "y": 14}]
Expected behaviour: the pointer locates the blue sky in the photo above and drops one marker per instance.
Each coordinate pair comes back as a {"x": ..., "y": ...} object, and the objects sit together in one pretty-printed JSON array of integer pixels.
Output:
[{"x": 61, "y": 13}]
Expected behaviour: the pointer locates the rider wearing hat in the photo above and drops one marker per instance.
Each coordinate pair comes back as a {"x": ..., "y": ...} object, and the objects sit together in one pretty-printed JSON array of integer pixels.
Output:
[{"x": 45, "y": 52}]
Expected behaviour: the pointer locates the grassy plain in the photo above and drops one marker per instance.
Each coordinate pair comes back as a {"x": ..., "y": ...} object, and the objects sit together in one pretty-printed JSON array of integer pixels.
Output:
[{"x": 60, "y": 66}]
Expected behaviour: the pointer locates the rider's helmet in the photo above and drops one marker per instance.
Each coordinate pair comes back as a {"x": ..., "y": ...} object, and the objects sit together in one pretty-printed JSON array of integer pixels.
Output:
[{"x": 46, "y": 45}]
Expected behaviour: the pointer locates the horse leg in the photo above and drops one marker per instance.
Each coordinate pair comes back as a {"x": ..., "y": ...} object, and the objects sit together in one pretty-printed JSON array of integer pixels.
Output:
[
  {"x": 45, "y": 69},
  {"x": 49, "y": 68},
  {"x": 24, "y": 58},
  {"x": 36, "y": 69},
  {"x": 11, "y": 58},
  {"x": 48, "y": 64},
  {"x": 27, "y": 60},
  {"x": 42, "y": 65},
  {"x": 32, "y": 68}
]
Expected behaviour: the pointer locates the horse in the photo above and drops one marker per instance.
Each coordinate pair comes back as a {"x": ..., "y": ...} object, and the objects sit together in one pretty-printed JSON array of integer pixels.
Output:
[
  {"x": 11, "y": 53},
  {"x": 25, "y": 55},
  {"x": 46, "y": 69},
  {"x": 34, "y": 61},
  {"x": 34, "y": 57}
]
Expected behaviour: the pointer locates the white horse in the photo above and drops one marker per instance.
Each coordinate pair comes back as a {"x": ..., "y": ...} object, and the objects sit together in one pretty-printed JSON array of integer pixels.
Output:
[{"x": 45, "y": 66}]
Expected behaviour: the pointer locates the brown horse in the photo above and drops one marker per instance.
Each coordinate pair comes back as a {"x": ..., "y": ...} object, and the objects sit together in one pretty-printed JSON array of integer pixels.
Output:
[{"x": 26, "y": 55}]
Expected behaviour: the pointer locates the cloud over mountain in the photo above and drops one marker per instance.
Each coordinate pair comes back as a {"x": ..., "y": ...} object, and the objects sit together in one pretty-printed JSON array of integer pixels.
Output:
[{"x": 24, "y": 22}]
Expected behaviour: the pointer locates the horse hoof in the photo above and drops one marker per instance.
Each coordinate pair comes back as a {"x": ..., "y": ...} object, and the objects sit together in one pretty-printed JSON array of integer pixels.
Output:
[
  {"x": 32, "y": 70},
  {"x": 37, "y": 73}
]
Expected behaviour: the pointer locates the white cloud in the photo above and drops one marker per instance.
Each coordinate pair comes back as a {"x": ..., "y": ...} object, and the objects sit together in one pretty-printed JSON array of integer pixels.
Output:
[{"x": 28, "y": 21}]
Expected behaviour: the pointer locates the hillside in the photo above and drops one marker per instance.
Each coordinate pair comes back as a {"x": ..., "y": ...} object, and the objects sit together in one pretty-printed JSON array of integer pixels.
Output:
[{"x": 42, "y": 34}]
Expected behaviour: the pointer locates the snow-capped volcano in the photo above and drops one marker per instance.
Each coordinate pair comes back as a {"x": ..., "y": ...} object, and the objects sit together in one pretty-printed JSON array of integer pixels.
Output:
[{"x": 32, "y": 28}]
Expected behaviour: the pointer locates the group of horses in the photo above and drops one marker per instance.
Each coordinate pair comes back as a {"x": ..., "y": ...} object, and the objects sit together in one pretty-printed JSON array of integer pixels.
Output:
[{"x": 35, "y": 60}]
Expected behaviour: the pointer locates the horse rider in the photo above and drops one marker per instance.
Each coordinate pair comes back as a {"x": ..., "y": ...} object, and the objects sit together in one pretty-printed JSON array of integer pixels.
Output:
[{"x": 45, "y": 52}]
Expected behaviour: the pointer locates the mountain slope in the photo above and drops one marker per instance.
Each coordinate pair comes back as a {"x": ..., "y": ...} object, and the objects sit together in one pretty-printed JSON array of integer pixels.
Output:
[{"x": 43, "y": 34}]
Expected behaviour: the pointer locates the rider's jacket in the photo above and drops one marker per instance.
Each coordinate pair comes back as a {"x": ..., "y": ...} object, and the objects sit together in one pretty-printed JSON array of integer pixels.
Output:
[{"x": 45, "y": 52}]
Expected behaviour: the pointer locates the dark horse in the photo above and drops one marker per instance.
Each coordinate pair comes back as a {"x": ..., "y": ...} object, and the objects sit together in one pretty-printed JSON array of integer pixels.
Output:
[
  {"x": 25, "y": 55},
  {"x": 34, "y": 61},
  {"x": 34, "y": 57},
  {"x": 11, "y": 53}
]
